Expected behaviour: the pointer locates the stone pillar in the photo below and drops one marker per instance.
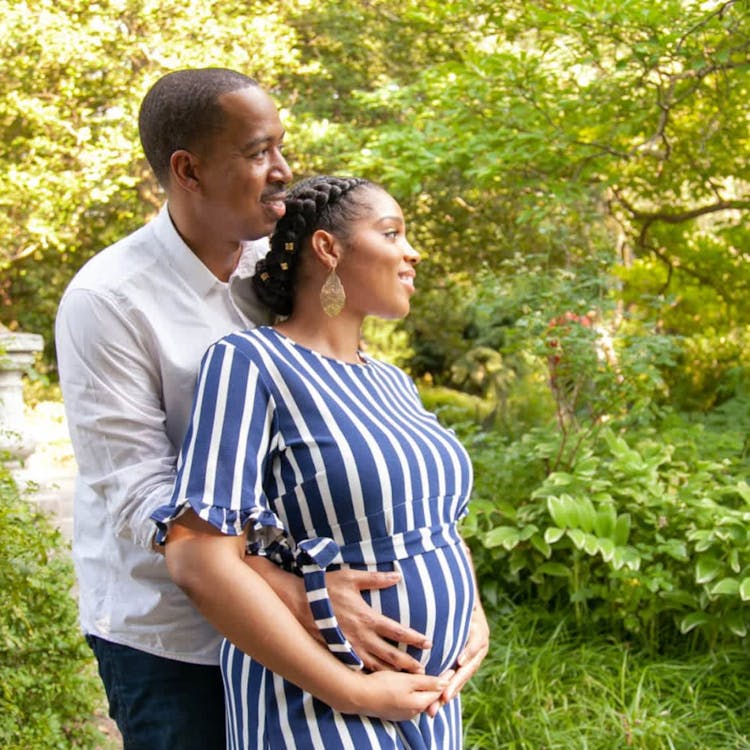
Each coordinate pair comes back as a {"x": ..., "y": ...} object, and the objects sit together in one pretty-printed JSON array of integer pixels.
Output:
[{"x": 17, "y": 352}]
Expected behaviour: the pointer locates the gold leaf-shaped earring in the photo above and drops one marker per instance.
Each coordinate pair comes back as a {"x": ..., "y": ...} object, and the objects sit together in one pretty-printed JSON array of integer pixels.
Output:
[{"x": 332, "y": 295}]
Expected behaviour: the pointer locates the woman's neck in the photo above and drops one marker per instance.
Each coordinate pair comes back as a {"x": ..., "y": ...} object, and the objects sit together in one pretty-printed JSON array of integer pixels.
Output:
[{"x": 338, "y": 338}]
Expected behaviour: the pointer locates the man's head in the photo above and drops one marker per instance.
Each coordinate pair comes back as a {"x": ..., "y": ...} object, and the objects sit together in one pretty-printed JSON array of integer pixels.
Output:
[
  {"x": 182, "y": 110},
  {"x": 214, "y": 138}
]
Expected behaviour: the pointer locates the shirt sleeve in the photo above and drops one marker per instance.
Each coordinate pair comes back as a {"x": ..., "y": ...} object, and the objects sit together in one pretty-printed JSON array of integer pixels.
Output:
[
  {"x": 113, "y": 403},
  {"x": 226, "y": 453}
]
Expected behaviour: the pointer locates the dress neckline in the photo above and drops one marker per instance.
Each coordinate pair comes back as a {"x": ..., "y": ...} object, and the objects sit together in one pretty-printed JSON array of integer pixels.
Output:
[{"x": 364, "y": 359}]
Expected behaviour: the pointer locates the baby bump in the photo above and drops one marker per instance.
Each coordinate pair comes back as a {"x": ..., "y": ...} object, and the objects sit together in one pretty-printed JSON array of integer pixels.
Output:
[{"x": 435, "y": 596}]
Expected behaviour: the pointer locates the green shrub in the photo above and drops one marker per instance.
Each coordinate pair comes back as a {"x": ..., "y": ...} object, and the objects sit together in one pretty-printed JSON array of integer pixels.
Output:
[
  {"x": 47, "y": 687},
  {"x": 644, "y": 532}
]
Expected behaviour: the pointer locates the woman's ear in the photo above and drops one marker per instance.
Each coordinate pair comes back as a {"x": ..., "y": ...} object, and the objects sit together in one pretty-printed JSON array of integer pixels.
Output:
[
  {"x": 183, "y": 170},
  {"x": 325, "y": 248}
]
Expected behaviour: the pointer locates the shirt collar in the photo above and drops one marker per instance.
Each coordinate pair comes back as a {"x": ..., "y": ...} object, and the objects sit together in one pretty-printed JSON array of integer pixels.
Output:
[{"x": 187, "y": 264}]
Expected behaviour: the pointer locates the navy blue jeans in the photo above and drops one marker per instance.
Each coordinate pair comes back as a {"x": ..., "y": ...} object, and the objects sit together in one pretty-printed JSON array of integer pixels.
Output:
[{"x": 161, "y": 704}]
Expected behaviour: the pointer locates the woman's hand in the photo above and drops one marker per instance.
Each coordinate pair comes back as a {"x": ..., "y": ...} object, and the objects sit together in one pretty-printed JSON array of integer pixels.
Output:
[
  {"x": 469, "y": 660},
  {"x": 392, "y": 696}
]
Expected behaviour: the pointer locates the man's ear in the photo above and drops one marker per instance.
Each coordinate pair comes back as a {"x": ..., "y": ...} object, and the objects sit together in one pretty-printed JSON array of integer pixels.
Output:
[
  {"x": 326, "y": 248},
  {"x": 183, "y": 170}
]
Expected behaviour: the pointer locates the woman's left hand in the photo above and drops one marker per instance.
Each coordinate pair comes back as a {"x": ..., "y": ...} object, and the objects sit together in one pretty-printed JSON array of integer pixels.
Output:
[{"x": 469, "y": 660}]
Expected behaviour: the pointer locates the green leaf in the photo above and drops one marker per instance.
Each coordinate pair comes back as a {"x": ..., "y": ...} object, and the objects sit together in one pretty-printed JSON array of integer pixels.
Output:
[
  {"x": 735, "y": 621},
  {"x": 604, "y": 523},
  {"x": 541, "y": 545},
  {"x": 577, "y": 537},
  {"x": 502, "y": 536},
  {"x": 726, "y": 587},
  {"x": 707, "y": 568},
  {"x": 694, "y": 620},
  {"x": 745, "y": 589},
  {"x": 622, "y": 530},
  {"x": 607, "y": 549},
  {"x": 554, "y": 569},
  {"x": 553, "y": 534}
]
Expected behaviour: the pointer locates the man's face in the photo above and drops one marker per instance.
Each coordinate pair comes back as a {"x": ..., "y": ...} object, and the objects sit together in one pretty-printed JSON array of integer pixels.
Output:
[{"x": 241, "y": 170}]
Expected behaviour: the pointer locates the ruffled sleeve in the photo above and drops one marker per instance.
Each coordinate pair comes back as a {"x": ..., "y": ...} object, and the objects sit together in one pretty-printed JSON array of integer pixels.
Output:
[{"x": 226, "y": 450}]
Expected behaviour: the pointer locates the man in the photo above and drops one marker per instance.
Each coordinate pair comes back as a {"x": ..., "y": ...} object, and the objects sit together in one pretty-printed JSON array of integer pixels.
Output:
[{"x": 130, "y": 333}]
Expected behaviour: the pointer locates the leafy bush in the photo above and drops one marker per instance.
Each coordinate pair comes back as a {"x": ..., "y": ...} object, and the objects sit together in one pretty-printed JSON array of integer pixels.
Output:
[
  {"x": 644, "y": 532},
  {"x": 47, "y": 686}
]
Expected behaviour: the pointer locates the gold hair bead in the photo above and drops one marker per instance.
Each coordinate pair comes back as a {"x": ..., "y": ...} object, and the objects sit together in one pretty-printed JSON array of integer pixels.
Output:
[
  {"x": 284, "y": 266},
  {"x": 265, "y": 276},
  {"x": 289, "y": 247}
]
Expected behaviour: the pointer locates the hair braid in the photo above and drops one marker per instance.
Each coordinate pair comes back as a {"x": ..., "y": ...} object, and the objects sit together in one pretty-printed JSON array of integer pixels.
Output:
[{"x": 322, "y": 202}]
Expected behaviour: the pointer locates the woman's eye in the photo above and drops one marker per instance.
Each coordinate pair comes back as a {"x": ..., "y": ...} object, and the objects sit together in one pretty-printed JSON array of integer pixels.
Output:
[{"x": 391, "y": 234}]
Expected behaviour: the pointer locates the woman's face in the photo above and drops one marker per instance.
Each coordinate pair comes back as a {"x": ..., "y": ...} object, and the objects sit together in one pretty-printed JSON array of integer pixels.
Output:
[{"x": 377, "y": 264}]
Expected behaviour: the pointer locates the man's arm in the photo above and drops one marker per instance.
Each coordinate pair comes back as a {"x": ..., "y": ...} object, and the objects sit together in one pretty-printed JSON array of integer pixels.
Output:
[{"x": 115, "y": 416}]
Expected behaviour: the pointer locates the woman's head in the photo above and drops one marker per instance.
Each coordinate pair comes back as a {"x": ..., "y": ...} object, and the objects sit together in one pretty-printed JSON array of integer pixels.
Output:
[{"x": 348, "y": 224}]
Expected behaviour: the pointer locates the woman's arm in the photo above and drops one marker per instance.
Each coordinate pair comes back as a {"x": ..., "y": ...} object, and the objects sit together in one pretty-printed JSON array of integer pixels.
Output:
[{"x": 209, "y": 566}]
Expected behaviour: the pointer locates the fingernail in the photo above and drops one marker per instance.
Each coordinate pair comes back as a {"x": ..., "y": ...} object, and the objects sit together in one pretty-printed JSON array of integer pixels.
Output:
[{"x": 426, "y": 644}]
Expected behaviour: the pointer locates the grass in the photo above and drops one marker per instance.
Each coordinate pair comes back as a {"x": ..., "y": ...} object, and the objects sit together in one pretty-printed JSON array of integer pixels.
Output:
[{"x": 544, "y": 687}]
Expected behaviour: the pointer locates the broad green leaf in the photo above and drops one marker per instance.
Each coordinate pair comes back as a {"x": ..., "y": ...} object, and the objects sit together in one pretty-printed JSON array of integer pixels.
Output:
[
  {"x": 622, "y": 530},
  {"x": 577, "y": 537},
  {"x": 541, "y": 545},
  {"x": 745, "y": 589},
  {"x": 735, "y": 621},
  {"x": 606, "y": 518},
  {"x": 554, "y": 569},
  {"x": 590, "y": 544},
  {"x": 707, "y": 568},
  {"x": 607, "y": 549},
  {"x": 694, "y": 620},
  {"x": 553, "y": 534},
  {"x": 726, "y": 587},
  {"x": 502, "y": 536}
]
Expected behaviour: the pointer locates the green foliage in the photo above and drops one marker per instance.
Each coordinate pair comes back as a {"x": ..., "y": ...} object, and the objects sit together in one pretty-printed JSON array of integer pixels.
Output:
[
  {"x": 545, "y": 684},
  {"x": 47, "y": 686},
  {"x": 642, "y": 531}
]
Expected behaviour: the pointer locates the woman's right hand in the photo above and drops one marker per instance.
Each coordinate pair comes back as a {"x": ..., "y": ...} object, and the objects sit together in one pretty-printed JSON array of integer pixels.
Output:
[{"x": 392, "y": 696}]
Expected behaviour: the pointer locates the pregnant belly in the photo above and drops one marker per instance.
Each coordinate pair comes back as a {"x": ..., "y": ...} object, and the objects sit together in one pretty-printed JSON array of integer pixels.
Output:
[{"x": 435, "y": 596}]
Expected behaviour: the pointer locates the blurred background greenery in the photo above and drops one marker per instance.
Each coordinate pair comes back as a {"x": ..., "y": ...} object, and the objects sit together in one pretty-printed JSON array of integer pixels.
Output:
[{"x": 575, "y": 176}]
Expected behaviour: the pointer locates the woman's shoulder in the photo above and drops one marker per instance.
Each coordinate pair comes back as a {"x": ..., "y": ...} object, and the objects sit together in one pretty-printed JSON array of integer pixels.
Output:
[{"x": 252, "y": 345}]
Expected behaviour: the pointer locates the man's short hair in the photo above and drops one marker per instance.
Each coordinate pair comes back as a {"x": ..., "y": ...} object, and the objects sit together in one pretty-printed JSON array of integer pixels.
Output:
[{"x": 181, "y": 110}]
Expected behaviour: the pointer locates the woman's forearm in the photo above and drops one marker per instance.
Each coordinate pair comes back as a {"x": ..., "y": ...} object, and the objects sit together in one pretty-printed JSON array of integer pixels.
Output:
[{"x": 235, "y": 599}]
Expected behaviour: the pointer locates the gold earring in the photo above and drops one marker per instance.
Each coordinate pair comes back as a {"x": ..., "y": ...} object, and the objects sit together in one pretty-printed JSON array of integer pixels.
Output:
[{"x": 332, "y": 295}]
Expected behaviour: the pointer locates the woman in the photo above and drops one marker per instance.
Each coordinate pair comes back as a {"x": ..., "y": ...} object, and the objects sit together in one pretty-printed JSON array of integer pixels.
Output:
[{"x": 319, "y": 456}]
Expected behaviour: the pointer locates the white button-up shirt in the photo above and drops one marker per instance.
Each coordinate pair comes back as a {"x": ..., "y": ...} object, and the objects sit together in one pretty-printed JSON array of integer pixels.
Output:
[{"x": 130, "y": 332}]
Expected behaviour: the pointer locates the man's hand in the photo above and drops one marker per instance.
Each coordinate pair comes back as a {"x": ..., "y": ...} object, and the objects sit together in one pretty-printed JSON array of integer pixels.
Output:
[
  {"x": 368, "y": 631},
  {"x": 469, "y": 660}
]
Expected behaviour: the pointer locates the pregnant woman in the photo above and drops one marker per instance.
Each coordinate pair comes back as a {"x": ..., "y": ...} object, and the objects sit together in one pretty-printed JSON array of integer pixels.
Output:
[{"x": 307, "y": 452}]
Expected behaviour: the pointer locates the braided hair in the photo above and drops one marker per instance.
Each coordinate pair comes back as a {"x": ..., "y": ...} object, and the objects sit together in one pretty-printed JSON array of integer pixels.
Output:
[{"x": 322, "y": 202}]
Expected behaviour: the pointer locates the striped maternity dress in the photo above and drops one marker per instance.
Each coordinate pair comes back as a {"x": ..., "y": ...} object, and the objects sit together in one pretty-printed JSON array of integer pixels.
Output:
[{"x": 330, "y": 464}]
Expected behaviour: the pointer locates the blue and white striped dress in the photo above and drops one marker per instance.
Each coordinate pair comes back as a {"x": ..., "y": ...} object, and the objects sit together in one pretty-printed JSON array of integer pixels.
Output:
[{"x": 327, "y": 464}]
